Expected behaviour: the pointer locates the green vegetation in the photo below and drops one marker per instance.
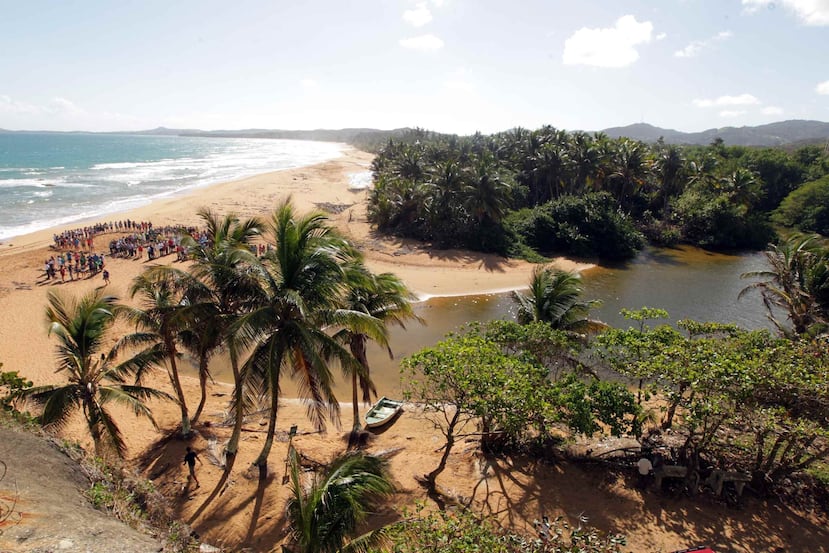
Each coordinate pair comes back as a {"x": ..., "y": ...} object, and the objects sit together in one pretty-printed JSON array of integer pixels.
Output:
[
  {"x": 806, "y": 208},
  {"x": 554, "y": 297},
  {"x": 498, "y": 378},
  {"x": 529, "y": 193},
  {"x": 461, "y": 531},
  {"x": 325, "y": 515},
  {"x": 797, "y": 284},
  {"x": 135, "y": 502},
  {"x": 94, "y": 382},
  {"x": 383, "y": 297},
  {"x": 12, "y": 389},
  {"x": 746, "y": 399}
]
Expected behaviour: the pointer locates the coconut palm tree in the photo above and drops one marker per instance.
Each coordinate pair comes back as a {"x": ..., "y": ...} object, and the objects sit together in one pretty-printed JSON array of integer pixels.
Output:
[
  {"x": 300, "y": 286},
  {"x": 486, "y": 194},
  {"x": 383, "y": 297},
  {"x": 221, "y": 287},
  {"x": 325, "y": 515},
  {"x": 797, "y": 283},
  {"x": 161, "y": 318},
  {"x": 629, "y": 169},
  {"x": 668, "y": 166},
  {"x": 554, "y": 297},
  {"x": 96, "y": 379},
  {"x": 203, "y": 339}
]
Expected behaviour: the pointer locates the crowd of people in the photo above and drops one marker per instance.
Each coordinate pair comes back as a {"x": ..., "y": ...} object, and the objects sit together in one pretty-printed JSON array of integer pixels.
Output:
[{"x": 77, "y": 257}]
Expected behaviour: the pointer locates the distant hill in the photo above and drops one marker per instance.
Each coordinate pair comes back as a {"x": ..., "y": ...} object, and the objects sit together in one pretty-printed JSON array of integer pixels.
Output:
[
  {"x": 773, "y": 134},
  {"x": 791, "y": 133}
]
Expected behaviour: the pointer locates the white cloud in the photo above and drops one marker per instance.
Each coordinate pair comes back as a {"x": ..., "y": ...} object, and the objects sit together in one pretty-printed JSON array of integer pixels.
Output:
[
  {"x": 741, "y": 100},
  {"x": 422, "y": 42},
  {"x": 64, "y": 106},
  {"x": 772, "y": 110},
  {"x": 660, "y": 36},
  {"x": 810, "y": 12},
  {"x": 697, "y": 46},
  {"x": 8, "y": 105},
  {"x": 309, "y": 84},
  {"x": 822, "y": 88},
  {"x": 732, "y": 113},
  {"x": 56, "y": 106},
  {"x": 609, "y": 47},
  {"x": 419, "y": 16}
]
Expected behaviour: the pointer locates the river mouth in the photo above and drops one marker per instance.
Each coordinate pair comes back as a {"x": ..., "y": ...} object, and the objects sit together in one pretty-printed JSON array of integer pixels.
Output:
[{"x": 688, "y": 282}]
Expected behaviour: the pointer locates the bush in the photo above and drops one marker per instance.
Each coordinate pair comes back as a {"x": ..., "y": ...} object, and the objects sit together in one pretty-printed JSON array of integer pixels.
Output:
[
  {"x": 807, "y": 208},
  {"x": 717, "y": 222},
  {"x": 586, "y": 226},
  {"x": 461, "y": 531}
]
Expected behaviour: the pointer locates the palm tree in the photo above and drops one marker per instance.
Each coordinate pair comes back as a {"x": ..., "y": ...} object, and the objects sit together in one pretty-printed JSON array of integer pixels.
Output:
[
  {"x": 300, "y": 285},
  {"x": 95, "y": 379},
  {"x": 486, "y": 194},
  {"x": 554, "y": 297},
  {"x": 383, "y": 297},
  {"x": 796, "y": 283},
  {"x": 161, "y": 318},
  {"x": 221, "y": 287},
  {"x": 630, "y": 167},
  {"x": 669, "y": 166},
  {"x": 203, "y": 339},
  {"x": 325, "y": 516}
]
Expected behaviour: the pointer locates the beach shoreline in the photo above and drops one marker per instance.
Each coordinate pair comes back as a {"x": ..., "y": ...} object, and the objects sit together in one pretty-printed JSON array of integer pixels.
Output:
[{"x": 324, "y": 186}]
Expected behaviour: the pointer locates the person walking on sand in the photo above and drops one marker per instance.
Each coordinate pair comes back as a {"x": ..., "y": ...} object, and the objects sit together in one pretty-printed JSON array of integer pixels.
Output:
[
  {"x": 190, "y": 459},
  {"x": 106, "y": 276}
]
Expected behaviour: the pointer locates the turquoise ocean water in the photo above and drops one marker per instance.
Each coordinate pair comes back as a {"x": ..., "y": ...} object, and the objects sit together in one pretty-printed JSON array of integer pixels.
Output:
[{"x": 51, "y": 179}]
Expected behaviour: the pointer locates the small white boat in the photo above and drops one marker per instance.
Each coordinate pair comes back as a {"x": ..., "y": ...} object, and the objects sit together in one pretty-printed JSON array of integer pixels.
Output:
[{"x": 383, "y": 412}]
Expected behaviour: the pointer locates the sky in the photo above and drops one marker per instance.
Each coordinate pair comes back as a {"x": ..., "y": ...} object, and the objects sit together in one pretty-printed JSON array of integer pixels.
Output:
[{"x": 457, "y": 66}]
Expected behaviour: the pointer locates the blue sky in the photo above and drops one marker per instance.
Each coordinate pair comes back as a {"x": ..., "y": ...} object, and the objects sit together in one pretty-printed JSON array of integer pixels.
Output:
[{"x": 448, "y": 65}]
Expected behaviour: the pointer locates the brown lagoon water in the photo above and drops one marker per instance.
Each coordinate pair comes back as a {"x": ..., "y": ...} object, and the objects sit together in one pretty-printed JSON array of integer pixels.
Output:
[{"x": 687, "y": 282}]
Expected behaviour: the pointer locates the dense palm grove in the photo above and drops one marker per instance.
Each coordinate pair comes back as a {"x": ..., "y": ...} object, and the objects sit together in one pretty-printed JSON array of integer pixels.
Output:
[{"x": 524, "y": 193}]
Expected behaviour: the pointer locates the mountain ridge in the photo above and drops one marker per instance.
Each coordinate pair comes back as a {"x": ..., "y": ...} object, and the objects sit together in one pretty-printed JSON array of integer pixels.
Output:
[{"x": 781, "y": 133}]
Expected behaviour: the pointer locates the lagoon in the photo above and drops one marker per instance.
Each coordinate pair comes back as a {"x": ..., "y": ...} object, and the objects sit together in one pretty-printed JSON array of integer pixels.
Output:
[{"x": 688, "y": 282}]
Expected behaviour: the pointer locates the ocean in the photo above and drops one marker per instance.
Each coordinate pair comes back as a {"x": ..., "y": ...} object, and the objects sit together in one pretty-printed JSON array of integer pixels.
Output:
[{"x": 49, "y": 179}]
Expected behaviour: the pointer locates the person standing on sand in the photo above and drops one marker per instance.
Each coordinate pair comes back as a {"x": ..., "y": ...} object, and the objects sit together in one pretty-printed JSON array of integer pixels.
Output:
[
  {"x": 106, "y": 276},
  {"x": 190, "y": 459}
]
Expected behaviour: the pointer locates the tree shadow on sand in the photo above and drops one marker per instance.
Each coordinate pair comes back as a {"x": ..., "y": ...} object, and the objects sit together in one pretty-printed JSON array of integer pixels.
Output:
[{"x": 517, "y": 491}]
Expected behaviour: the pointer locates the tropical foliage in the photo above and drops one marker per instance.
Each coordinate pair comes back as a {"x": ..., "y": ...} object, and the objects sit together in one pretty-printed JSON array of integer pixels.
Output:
[
  {"x": 497, "y": 377},
  {"x": 546, "y": 190},
  {"x": 384, "y": 297},
  {"x": 795, "y": 284},
  {"x": 96, "y": 379},
  {"x": 326, "y": 513},
  {"x": 554, "y": 297},
  {"x": 806, "y": 208},
  {"x": 462, "y": 531},
  {"x": 748, "y": 399}
]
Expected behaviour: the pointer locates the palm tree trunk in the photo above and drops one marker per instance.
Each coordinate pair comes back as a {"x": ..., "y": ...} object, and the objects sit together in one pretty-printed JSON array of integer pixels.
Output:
[
  {"x": 202, "y": 390},
  {"x": 238, "y": 398},
  {"x": 356, "y": 427},
  {"x": 233, "y": 443},
  {"x": 174, "y": 378},
  {"x": 262, "y": 460}
]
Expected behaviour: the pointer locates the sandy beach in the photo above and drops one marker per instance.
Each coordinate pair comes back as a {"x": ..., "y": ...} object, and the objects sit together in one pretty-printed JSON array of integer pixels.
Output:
[{"x": 513, "y": 490}]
